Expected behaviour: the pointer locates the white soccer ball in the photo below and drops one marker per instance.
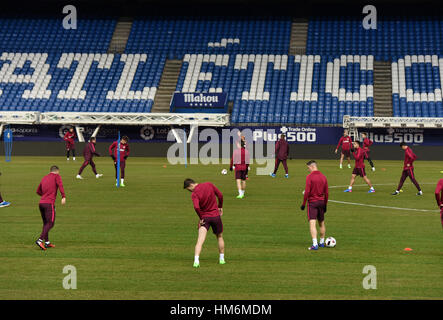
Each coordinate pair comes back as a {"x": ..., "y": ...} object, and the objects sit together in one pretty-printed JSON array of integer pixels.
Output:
[
  {"x": 330, "y": 242},
  {"x": 224, "y": 171}
]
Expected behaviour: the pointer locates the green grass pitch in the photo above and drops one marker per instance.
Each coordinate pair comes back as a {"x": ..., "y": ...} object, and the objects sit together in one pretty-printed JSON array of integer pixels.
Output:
[{"x": 138, "y": 242}]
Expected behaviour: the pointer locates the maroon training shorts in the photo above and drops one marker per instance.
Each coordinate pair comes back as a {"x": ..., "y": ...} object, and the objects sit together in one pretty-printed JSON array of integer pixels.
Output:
[
  {"x": 346, "y": 153},
  {"x": 70, "y": 145},
  {"x": 316, "y": 210},
  {"x": 359, "y": 172},
  {"x": 214, "y": 222},
  {"x": 241, "y": 174}
]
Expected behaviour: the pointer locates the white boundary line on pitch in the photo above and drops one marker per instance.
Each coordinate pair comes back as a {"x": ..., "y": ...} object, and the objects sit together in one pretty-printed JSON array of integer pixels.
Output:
[
  {"x": 379, "y": 184},
  {"x": 383, "y": 207}
]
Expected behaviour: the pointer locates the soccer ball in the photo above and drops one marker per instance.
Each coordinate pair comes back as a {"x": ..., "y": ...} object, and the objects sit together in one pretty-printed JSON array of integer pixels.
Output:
[
  {"x": 224, "y": 171},
  {"x": 330, "y": 242}
]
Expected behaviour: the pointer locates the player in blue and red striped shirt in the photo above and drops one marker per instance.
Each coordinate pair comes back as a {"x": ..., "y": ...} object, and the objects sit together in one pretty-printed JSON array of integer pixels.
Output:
[
  {"x": 47, "y": 190},
  {"x": 408, "y": 170}
]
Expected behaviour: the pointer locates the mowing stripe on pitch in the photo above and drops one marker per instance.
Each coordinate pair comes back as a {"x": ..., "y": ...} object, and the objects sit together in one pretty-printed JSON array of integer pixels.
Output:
[
  {"x": 383, "y": 207},
  {"x": 377, "y": 184}
]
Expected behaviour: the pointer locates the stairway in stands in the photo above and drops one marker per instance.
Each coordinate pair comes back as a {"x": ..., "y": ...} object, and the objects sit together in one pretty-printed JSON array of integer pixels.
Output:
[
  {"x": 168, "y": 83},
  {"x": 382, "y": 89},
  {"x": 120, "y": 35},
  {"x": 299, "y": 35}
]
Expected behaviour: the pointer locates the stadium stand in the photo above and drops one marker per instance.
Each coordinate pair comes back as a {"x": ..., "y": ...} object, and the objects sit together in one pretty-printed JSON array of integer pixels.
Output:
[
  {"x": 394, "y": 37},
  {"x": 79, "y": 82},
  {"x": 44, "y": 67},
  {"x": 416, "y": 86},
  {"x": 48, "y": 35},
  {"x": 284, "y": 89},
  {"x": 210, "y": 36}
]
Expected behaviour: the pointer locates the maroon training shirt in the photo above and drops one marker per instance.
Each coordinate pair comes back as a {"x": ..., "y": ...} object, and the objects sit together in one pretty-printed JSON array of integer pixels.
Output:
[
  {"x": 89, "y": 151},
  {"x": 69, "y": 137},
  {"x": 204, "y": 200},
  {"x": 282, "y": 149},
  {"x": 367, "y": 143},
  {"x": 124, "y": 150},
  {"x": 240, "y": 159},
  {"x": 316, "y": 188},
  {"x": 47, "y": 189},
  {"x": 345, "y": 143},
  {"x": 359, "y": 156},
  {"x": 410, "y": 157}
]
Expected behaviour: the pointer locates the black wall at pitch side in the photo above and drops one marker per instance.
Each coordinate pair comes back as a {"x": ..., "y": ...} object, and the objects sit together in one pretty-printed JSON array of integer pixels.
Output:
[{"x": 297, "y": 151}]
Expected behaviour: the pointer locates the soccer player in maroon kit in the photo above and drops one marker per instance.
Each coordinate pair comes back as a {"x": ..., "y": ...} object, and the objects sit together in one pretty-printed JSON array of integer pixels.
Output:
[
  {"x": 346, "y": 145},
  {"x": 69, "y": 139},
  {"x": 359, "y": 169},
  {"x": 47, "y": 190},
  {"x": 124, "y": 154},
  {"x": 281, "y": 155},
  {"x": 408, "y": 170},
  {"x": 316, "y": 196},
  {"x": 89, "y": 153},
  {"x": 439, "y": 198},
  {"x": 204, "y": 197},
  {"x": 366, "y": 144},
  {"x": 240, "y": 159}
]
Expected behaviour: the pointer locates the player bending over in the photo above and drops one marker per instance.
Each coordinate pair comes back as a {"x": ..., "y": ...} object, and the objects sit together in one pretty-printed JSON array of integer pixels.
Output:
[
  {"x": 366, "y": 144},
  {"x": 47, "y": 190},
  {"x": 359, "y": 168},
  {"x": 124, "y": 154},
  {"x": 346, "y": 145},
  {"x": 69, "y": 139},
  {"x": 316, "y": 195},
  {"x": 89, "y": 153},
  {"x": 281, "y": 155},
  {"x": 408, "y": 170},
  {"x": 204, "y": 197},
  {"x": 240, "y": 159},
  {"x": 439, "y": 198}
]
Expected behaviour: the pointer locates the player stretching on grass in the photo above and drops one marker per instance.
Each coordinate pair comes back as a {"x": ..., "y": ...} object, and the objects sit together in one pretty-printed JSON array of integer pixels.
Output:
[
  {"x": 89, "y": 153},
  {"x": 359, "y": 169},
  {"x": 47, "y": 190},
  {"x": 408, "y": 170},
  {"x": 316, "y": 195},
  {"x": 124, "y": 154},
  {"x": 204, "y": 197},
  {"x": 69, "y": 139},
  {"x": 346, "y": 146},
  {"x": 240, "y": 159},
  {"x": 366, "y": 144},
  {"x": 439, "y": 198},
  {"x": 281, "y": 155}
]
